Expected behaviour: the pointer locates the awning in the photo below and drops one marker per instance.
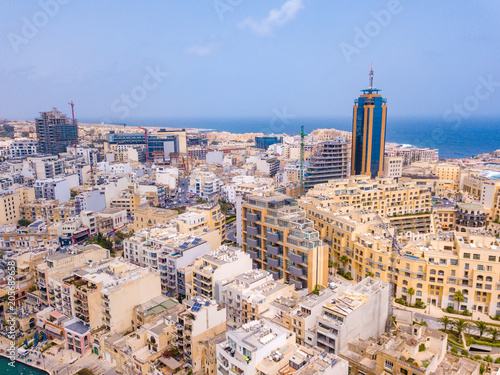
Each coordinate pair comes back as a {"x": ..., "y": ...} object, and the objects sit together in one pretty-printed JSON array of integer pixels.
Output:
[
  {"x": 55, "y": 330},
  {"x": 56, "y": 314}
]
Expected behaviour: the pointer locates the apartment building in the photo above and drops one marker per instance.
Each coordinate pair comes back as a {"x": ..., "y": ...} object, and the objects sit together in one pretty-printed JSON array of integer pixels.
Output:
[
  {"x": 422, "y": 351},
  {"x": 407, "y": 205},
  {"x": 201, "y": 320},
  {"x": 213, "y": 271},
  {"x": 215, "y": 218},
  {"x": 343, "y": 318},
  {"x": 281, "y": 240},
  {"x": 44, "y": 166},
  {"x": 249, "y": 296},
  {"x": 393, "y": 166},
  {"x": 53, "y": 189},
  {"x": 169, "y": 251},
  {"x": 205, "y": 184},
  {"x": 11, "y": 200},
  {"x": 246, "y": 347},
  {"x": 328, "y": 161},
  {"x": 148, "y": 216},
  {"x": 22, "y": 147},
  {"x": 93, "y": 200},
  {"x": 62, "y": 264}
]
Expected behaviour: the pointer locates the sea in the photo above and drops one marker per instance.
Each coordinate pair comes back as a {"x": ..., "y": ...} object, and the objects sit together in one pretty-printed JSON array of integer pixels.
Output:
[
  {"x": 18, "y": 369},
  {"x": 460, "y": 138}
]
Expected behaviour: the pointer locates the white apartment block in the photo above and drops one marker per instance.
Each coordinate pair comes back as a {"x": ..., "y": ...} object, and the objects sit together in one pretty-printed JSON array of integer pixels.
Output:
[
  {"x": 22, "y": 147},
  {"x": 247, "y": 346}
]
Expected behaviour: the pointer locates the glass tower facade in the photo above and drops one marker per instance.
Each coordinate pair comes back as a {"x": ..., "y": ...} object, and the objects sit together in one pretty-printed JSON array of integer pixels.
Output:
[{"x": 368, "y": 132}]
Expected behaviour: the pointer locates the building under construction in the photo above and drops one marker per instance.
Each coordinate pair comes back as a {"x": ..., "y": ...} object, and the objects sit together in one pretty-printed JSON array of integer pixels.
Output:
[
  {"x": 55, "y": 132},
  {"x": 329, "y": 161}
]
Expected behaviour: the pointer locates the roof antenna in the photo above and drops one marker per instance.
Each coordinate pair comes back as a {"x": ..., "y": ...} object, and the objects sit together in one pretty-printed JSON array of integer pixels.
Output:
[{"x": 371, "y": 77}]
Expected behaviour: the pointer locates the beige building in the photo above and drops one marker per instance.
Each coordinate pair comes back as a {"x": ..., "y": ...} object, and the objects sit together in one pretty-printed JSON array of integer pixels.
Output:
[
  {"x": 281, "y": 240},
  {"x": 148, "y": 216},
  {"x": 420, "y": 352},
  {"x": 11, "y": 200},
  {"x": 393, "y": 166},
  {"x": 215, "y": 218}
]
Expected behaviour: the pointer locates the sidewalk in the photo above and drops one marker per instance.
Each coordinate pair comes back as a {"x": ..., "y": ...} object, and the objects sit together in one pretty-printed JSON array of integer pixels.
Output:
[{"x": 437, "y": 312}]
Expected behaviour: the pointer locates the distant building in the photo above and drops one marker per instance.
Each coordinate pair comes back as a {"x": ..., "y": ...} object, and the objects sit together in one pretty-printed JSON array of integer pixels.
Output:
[
  {"x": 161, "y": 142},
  {"x": 55, "y": 132},
  {"x": 23, "y": 147},
  {"x": 329, "y": 161},
  {"x": 264, "y": 142},
  {"x": 368, "y": 132}
]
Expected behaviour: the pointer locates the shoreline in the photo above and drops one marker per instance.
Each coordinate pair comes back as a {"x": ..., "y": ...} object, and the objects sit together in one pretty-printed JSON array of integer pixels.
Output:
[{"x": 27, "y": 364}]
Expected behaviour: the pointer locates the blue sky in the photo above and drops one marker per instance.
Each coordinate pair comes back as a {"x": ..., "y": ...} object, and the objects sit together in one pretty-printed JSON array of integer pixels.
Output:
[{"x": 243, "y": 58}]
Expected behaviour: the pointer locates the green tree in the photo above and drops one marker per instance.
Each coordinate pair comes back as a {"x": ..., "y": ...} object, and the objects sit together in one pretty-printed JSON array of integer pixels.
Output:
[
  {"x": 24, "y": 222},
  {"x": 446, "y": 321},
  {"x": 411, "y": 293},
  {"x": 459, "y": 298},
  {"x": 344, "y": 260},
  {"x": 494, "y": 333},
  {"x": 460, "y": 326},
  {"x": 482, "y": 327}
]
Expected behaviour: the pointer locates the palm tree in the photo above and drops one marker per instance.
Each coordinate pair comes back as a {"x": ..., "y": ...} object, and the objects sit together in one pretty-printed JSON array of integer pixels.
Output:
[
  {"x": 411, "y": 293},
  {"x": 344, "y": 260},
  {"x": 460, "y": 325},
  {"x": 481, "y": 326},
  {"x": 446, "y": 321},
  {"x": 335, "y": 267},
  {"x": 330, "y": 265},
  {"x": 459, "y": 298},
  {"x": 494, "y": 333}
]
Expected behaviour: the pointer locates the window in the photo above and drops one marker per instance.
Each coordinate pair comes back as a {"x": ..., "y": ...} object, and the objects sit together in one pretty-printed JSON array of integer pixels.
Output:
[
  {"x": 403, "y": 290},
  {"x": 388, "y": 365},
  {"x": 492, "y": 258},
  {"x": 419, "y": 293},
  {"x": 405, "y": 282},
  {"x": 466, "y": 255},
  {"x": 480, "y": 267},
  {"x": 466, "y": 266},
  {"x": 441, "y": 273},
  {"x": 453, "y": 262},
  {"x": 419, "y": 285},
  {"x": 476, "y": 256},
  {"x": 452, "y": 290},
  {"x": 433, "y": 272}
]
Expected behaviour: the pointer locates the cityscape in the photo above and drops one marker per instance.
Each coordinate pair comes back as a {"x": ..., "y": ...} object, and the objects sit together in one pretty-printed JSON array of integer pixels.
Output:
[{"x": 139, "y": 239}]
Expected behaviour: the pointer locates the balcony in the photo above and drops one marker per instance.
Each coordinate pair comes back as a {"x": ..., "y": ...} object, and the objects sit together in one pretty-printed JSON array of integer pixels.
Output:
[
  {"x": 252, "y": 218},
  {"x": 253, "y": 231},
  {"x": 273, "y": 262},
  {"x": 276, "y": 274},
  {"x": 295, "y": 258},
  {"x": 273, "y": 250},
  {"x": 252, "y": 242},
  {"x": 295, "y": 271},
  {"x": 253, "y": 254},
  {"x": 273, "y": 237},
  {"x": 297, "y": 284}
]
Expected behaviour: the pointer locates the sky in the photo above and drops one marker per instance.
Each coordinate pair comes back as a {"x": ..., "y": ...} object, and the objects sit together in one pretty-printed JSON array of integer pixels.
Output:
[{"x": 123, "y": 60}]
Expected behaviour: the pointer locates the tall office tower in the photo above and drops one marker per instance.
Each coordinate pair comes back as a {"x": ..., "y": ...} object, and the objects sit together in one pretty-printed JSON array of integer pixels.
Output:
[
  {"x": 55, "y": 132},
  {"x": 328, "y": 161},
  {"x": 368, "y": 132}
]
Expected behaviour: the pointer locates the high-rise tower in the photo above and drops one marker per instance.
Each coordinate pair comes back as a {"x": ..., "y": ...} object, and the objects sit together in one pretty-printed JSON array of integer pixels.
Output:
[
  {"x": 55, "y": 132},
  {"x": 368, "y": 132}
]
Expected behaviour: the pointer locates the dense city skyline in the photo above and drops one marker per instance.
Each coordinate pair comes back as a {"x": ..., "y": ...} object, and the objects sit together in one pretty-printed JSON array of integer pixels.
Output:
[{"x": 246, "y": 59}]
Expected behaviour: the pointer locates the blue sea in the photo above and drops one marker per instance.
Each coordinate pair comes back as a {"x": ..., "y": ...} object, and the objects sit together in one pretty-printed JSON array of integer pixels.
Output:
[{"x": 459, "y": 139}]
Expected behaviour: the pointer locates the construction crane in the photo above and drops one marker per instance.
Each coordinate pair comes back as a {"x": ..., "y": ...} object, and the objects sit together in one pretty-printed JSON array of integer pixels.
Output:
[
  {"x": 147, "y": 147},
  {"x": 302, "y": 135},
  {"x": 394, "y": 252}
]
